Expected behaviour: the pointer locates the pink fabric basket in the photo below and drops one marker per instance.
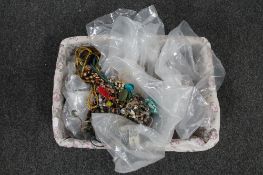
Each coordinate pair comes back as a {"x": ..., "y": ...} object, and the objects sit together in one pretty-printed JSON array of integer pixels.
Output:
[{"x": 190, "y": 145}]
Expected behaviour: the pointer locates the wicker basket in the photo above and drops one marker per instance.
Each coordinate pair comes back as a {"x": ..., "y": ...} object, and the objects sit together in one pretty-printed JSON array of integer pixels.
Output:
[{"x": 66, "y": 50}]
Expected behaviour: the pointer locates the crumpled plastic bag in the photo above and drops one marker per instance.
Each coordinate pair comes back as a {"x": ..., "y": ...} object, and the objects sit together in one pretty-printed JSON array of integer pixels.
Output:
[
  {"x": 132, "y": 146},
  {"x": 75, "y": 109},
  {"x": 173, "y": 70}
]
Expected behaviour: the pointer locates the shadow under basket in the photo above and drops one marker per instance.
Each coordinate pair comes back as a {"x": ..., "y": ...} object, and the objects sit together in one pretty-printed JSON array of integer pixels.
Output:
[{"x": 195, "y": 143}]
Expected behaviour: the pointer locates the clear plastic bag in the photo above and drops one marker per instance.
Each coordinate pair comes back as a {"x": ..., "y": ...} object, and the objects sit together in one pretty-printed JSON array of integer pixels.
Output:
[
  {"x": 186, "y": 59},
  {"x": 131, "y": 35},
  {"x": 174, "y": 70},
  {"x": 178, "y": 66},
  {"x": 103, "y": 25},
  {"x": 171, "y": 110},
  {"x": 132, "y": 146},
  {"x": 75, "y": 111}
]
